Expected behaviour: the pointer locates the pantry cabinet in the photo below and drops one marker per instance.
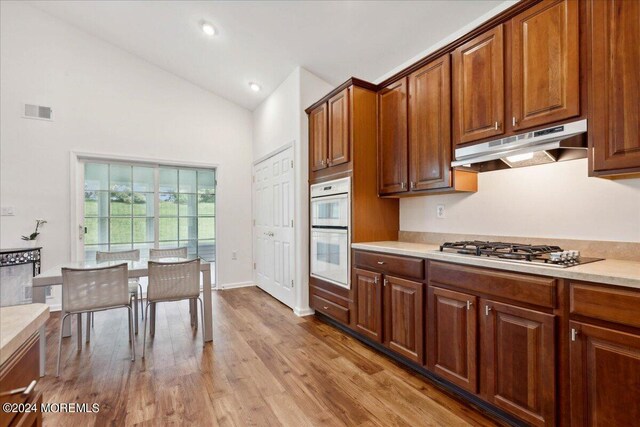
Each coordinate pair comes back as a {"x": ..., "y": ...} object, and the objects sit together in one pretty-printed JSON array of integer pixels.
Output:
[
  {"x": 614, "y": 87},
  {"x": 545, "y": 74},
  {"x": 478, "y": 87}
]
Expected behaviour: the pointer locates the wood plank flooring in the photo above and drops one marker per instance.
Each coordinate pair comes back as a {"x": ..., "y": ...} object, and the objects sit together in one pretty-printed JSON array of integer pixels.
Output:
[{"x": 266, "y": 367}]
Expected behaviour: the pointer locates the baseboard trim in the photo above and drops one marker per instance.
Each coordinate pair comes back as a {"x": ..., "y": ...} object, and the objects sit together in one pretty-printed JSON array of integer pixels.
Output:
[
  {"x": 224, "y": 286},
  {"x": 303, "y": 311}
]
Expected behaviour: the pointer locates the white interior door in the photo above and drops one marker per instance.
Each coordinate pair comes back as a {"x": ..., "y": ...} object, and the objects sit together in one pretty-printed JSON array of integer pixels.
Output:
[{"x": 273, "y": 226}]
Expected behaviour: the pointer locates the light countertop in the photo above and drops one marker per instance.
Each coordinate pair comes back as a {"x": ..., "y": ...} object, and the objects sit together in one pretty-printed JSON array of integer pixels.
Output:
[
  {"x": 608, "y": 271},
  {"x": 17, "y": 324}
]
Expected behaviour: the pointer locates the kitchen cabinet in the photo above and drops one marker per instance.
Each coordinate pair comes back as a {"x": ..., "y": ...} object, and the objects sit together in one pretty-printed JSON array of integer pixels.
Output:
[
  {"x": 338, "y": 146},
  {"x": 614, "y": 87},
  {"x": 403, "y": 312},
  {"x": 393, "y": 154},
  {"x": 545, "y": 74},
  {"x": 430, "y": 126},
  {"x": 478, "y": 87},
  {"x": 605, "y": 376},
  {"x": 318, "y": 137},
  {"x": 368, "y": 288},
  {"x": 452, "y": 336},
  {"x": 518, "y": 359}
]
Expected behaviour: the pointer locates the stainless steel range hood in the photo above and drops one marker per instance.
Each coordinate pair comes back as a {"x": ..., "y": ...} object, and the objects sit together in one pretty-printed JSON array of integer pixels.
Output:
[{"x": 553, "y": 144}]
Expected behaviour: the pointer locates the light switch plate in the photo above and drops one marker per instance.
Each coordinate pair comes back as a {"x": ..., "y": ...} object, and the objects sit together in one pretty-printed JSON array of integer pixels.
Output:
[{"x": 8, "y": 211}]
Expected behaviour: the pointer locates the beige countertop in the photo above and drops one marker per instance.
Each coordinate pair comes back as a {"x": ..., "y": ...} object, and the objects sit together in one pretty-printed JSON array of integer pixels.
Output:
[
  {"x": 608, "y": 271},
  {"x": 17, "y": 324}
]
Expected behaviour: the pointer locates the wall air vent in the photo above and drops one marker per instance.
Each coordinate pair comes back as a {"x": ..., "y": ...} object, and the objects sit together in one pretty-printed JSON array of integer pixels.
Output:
[{"x": 37, "y": 112}]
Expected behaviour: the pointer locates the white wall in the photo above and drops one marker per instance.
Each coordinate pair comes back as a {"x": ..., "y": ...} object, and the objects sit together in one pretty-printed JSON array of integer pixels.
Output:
[
  {"x": 279, "y": 120},
  {"x": 553, "y": 200},
  {"x": 108, "y": 101}
]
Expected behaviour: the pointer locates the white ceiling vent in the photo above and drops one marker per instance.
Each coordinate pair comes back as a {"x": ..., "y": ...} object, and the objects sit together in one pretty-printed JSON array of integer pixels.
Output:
[{"x": 37, "y": 112}]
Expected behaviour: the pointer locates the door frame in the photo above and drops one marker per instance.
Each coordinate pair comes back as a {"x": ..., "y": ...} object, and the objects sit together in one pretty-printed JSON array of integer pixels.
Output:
[
  {"x": 76, "y": 193},
  {"x": 294, "y": 269}
]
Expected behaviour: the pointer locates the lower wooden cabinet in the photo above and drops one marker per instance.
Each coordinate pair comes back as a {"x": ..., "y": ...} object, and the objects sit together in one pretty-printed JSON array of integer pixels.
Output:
[
  {"x": 368, "y": 289},
  {"x": 518, "y": 361},
  {"x": 403, "y": 314},
  {"x": 452, "y": 335},
  {"x": 605, "y": 376}
]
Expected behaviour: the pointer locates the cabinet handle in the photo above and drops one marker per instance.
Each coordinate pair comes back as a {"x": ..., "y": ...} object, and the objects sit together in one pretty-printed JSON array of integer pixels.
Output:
[
  {"x": 413, "y": 184},
  {"x": 496, "y": 125},
  {"x": 574, "y": 334},
  {"x": 514, "y": 122},
  {"x": 402, "y": 185},
  {"x": 381, "y": 262},
  {"x": 375, "y": 280},
  {"x": 487, "y": 309},
  {"x": 326, "y": 307},
  {"x": 385, "y": 282},
  {"x": 469, "y": 304},
  {"x": 322, "y": 162},
  {"x": 25, "y": 391}
]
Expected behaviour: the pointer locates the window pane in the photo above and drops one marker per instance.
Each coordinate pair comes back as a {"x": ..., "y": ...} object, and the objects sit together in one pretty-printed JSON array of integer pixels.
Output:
[
  {"x": 143, "y": 179},
  {"x": 187, "y": 204},
  {"x": 187, "y": 181},
  {"x": 144, "y": 249},
  {"x": 169, "y": 245},
  {"x": 90, "y": 251},
  {"x": 120, "y": 178},
  {"x": 168, "y": 229},
  {"x": 96, "y": 176},
  {"x": 97, "y": 231},
  {"x": 206, "y": 204},
  {"x": 142, "y": 204},
  {"x": 206, "y": 182},
  {"x": 96, "y": 203},
  {"x": 168, "y": 180},
  {"x": 120, "y": 203},
  {"x": 168, "y": 204},
  {"x": 192, "y": 246},
  {"x": 188, "y": 229},
  {"x": 206, "y": 228},
  {"x": 118, "y": 248},
  {"x": 120, "y": 231},
  {"x": 207, "y": 249},
  {"x": 143, "y": 230}
]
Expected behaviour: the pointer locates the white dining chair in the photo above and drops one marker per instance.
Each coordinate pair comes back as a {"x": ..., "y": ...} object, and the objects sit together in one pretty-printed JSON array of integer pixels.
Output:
[
  {"x": 173, "y": 281},
  {"x": 95, "y": 289},
  {"x": 135, "y": 288}
]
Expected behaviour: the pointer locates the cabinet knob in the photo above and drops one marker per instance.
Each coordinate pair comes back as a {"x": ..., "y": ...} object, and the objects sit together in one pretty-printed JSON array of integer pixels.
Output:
[
  {"x": 322, "y": 162},
  {"x": 326, "y": 307}
]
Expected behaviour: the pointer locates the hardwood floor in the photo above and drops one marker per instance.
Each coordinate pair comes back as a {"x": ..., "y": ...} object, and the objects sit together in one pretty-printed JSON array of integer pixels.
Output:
[{"x": 266, "y": 367}]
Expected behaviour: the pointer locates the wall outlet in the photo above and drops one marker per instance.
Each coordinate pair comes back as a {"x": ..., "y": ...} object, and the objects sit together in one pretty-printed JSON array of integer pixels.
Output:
[
  {"x": 440, "y": 213},
  {"x": 8, "y": 211},
  {"x": 234, "y": 255}
]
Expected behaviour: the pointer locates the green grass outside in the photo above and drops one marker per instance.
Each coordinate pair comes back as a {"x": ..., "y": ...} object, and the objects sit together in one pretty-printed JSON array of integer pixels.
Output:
[{"x": 171, "y": 227}]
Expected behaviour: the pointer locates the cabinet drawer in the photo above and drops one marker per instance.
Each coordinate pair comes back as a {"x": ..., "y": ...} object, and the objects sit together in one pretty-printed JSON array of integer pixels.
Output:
[
  {"x": 19, "y": 371},
  {"x": 391, "y": 264},
  {"x": 329, "y": 308},
  {"x": 528, "y": 289},
  {"x": 615, "y": 305}
]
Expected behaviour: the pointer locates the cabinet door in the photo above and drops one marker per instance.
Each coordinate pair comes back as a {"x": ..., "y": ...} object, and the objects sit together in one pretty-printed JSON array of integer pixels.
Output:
[
  {"x": 369, "y": 304},
  {"x": 430, "y": 126},
  {"x": 452, "y": 337},
  {"x": 614, "y": 85},
  {"x": 605, "y": 377},
  {"x": 393, "y": 156},
  {"x": 545, "y": 64},
  {"x": 518, "y": 357},
  {"x": 339, "y": 128},
  {"x": 318, "y": 137},
  {"x": 478, "y": 88},
  {"x": 403, "y": 313}
]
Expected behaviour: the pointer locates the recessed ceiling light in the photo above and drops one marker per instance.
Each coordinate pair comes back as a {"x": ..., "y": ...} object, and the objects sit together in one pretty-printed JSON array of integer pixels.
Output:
[
  {"x": 208, "y": 29},
  {"x": 254, "y": 86}
]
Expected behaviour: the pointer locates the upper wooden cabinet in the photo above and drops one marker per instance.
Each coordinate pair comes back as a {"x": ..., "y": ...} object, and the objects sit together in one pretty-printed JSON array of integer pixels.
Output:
[
  {"x": 339, "y": 129},
  {"x": 545, "y": 75},
  {"x": 430, "y": 126},
  {"x": 614, "y": 87},
  {"x": 318, "y": 137},
  {"x": 478, "y": 87},
  {"x": 393, "y": 154}
]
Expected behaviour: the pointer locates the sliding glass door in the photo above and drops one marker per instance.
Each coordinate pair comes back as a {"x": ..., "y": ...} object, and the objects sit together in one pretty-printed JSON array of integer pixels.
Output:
[{"x": 131, "y": 206}]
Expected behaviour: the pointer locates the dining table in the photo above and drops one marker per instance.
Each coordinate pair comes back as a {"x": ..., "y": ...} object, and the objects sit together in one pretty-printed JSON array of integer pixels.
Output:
[{"x": 136, "y": 269}]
